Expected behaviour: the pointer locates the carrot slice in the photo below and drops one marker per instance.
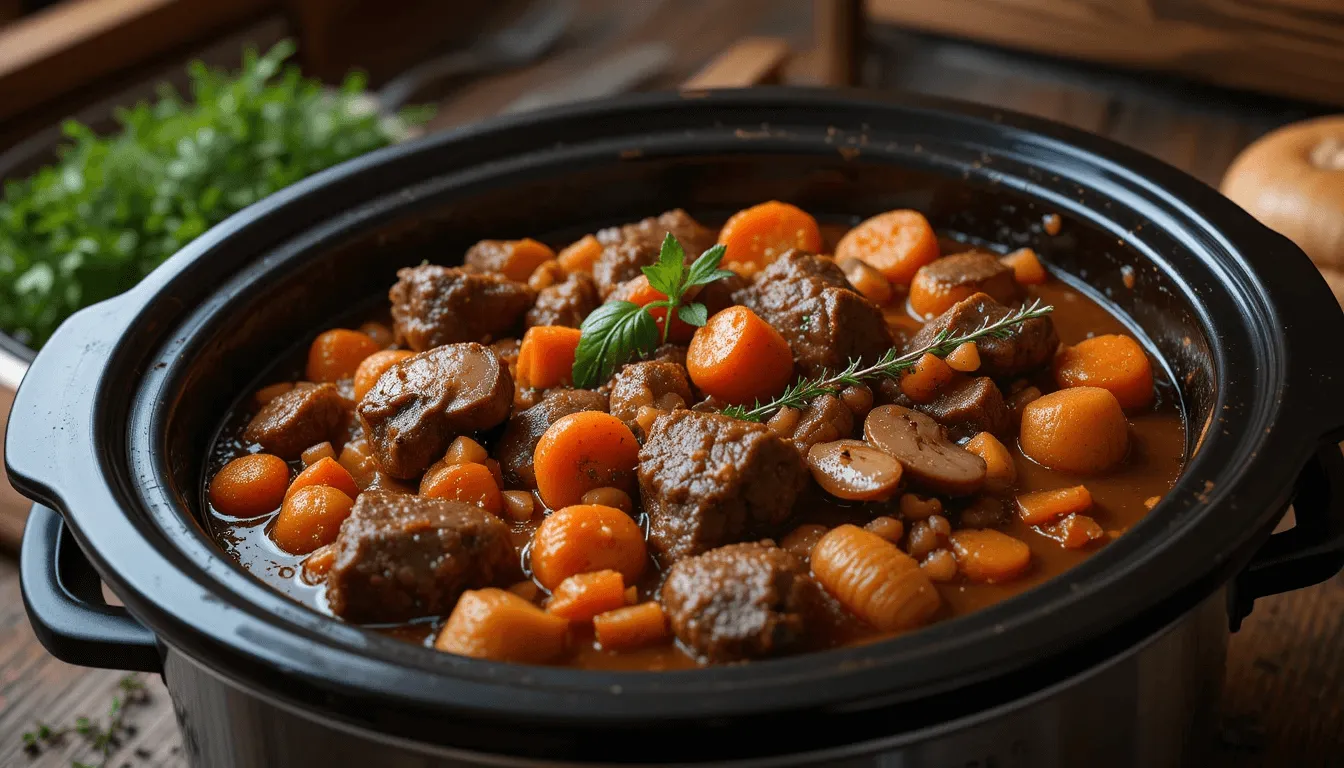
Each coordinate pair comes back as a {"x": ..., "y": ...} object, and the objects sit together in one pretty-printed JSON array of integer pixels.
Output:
[
  {"x": 897, "y": 243},
  {"x": 336, "y": 354},
  {"x": 583, "y": 451},
  {"x": 739, "y": 358},
  {"x": 250, "y": 486},
  {"x": 470, "y": 483},
  {"x": 499, "y": 625},
  {"x": 546, "y": 356},
  {"x": 1041, "y": 507},
  {"x": 930, "y": 374},
  {"x": 990, "y": 556},
  {"x": 1027, "y": 269},
  {"x": 1113, "y": 362},
  {"x": 584, "y": 595},
  {"x": 631, "y": 627},
  {"x": 328, "y": 472},
  {"x": 580, "y": 255},
  {"x": 759, "y": 234}
]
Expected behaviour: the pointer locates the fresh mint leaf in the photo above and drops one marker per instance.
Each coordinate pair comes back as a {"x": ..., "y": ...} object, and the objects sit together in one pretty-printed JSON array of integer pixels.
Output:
[
  {"x": 611, "y": 335},
  {"x": 668, "y": 274},
  {"x": 693, "y": 314},
  {"x": 706, "y": 270}
]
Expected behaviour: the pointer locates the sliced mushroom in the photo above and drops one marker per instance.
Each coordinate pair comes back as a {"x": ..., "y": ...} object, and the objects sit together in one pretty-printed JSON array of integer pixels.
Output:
[
  {"x": 853, "y": 469},
  {"x": 920, "y": 444}
]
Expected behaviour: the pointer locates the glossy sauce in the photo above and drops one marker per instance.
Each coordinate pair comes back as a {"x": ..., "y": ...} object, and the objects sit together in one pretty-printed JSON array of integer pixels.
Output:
[{"x": 1157, "y": 450}]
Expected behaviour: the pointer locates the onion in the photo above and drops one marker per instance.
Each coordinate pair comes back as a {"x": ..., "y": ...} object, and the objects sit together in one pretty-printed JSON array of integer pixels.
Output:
[{"x": 1292, "y": 180}]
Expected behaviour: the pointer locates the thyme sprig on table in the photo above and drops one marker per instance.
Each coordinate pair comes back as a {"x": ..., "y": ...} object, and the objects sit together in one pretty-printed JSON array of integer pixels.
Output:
[
  {"x": 889, "y": 366},
  {"x": 102, "y": 739}
]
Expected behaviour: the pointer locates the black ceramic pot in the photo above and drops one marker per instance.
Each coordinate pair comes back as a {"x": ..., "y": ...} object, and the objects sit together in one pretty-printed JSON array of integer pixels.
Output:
[{"x": 1116, "y": 662}]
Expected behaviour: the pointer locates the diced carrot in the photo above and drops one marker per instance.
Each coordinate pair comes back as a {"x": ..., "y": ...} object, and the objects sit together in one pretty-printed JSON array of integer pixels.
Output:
[
  {"x": 584, "y": 595},
  {"x": 1074, "y": 532},
  {"x": 1080, "y": 429},
  {"x": 1042, "y": 507},
  {"x": 250, "y": 486},
  {"x": 514, "y": 259},
  {"x": 631, "y": 595},
  {"x": 271, "y": 391},
  {"x": 498, "y": 625},
  {"x": 990, "y": 556},
  {"x": 584, "y": 538},
  {"x": 965, "y": 358},
  {"x": 518, "y": 505},
  {"x": 336, "y": 354},
  {"x": 1113, "y": 362},
  {"x": 897, "y": 243},
  {"x": 546, "y": 274},
  {"x": 583, "y": 451},
  {"x": 922, "y": 382},
  {"x": 327, "y": 472},
  {"x": 464, "y": 450},
  {"x": 374, "y": 366},
  {"x": 470, "y": 483},
  {"x": 631, "y": 627},
  {"x": 1151, "y": 501},
  {"x": 1000, "y": 471},
  {"x": 1026, "y": 267},
  {"x": 316, "y": 565},
  {"x": 759, "y": 234},
  {"x": 359, "y": 462},
  {"x": 310, "y": 518},
  {"x": 315, "y": 453},
  {"x": 932, "y": 294},
  {"x": 546, "y": 357},
  {"x": 580, "y": 255},
  {"x": 739, "y": 358}
]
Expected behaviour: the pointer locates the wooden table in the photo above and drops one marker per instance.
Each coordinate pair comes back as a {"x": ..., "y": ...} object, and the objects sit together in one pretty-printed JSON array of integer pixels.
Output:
[{"x": 1284, "y": 702}]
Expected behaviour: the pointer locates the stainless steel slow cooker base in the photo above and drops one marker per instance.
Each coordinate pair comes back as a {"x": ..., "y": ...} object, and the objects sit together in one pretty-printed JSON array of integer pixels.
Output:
[{"x": 1153, "y": 706}]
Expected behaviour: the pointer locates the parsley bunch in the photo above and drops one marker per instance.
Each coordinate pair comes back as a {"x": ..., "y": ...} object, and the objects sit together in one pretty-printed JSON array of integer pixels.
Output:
[
  {"x": 113, "y": 208},
  {"x": 618, "y": 330}
]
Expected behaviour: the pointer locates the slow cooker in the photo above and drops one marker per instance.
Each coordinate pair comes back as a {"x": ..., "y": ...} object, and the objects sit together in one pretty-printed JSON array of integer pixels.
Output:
[{"x": 1116, "y": 662}]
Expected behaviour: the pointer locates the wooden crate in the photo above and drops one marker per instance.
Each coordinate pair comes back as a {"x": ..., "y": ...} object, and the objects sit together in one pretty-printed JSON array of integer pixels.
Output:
[{"x": 1291, "y": 48}]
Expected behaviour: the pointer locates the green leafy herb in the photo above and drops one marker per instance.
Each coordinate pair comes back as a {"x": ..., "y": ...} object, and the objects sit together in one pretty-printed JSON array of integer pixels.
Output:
[
  {"x": 619, "y": 330},
  {"x": 103, "y": 740},
  {"x": 113, "y": 208},
  {"x": 889, "y": 366}
]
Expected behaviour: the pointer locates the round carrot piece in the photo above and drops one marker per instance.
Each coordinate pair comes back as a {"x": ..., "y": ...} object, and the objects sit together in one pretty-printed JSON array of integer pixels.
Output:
[
  {"x": 469, "y": 483},
  {"x": 1113, "y": 362},
  {"x": 310, "y": 518},
  {"x": 336, "y": 354},
  {"x": 325, "y": 472},
  {"x": 1081, "y": 430},
  {"x": 374, "y": 366},
  {"x": 250, "y": 486},
  {"x": 739, "y": 358},
  {"x": 759, "y": 234},
  {"x": 546, "y": 356},
  {"x": 990, "y": 556},
  {"x": 584, "y": 538},
  {"x": 897, "y": 243},
  {"x": 583, "y": 451}
]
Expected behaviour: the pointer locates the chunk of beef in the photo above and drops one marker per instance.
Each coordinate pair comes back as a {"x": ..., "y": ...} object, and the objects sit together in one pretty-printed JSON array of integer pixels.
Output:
[
  {"x": 400, "y": 557},
  {"x": 566, "y": 303},
  {"x": 433, "y": 306},
  {"x": 670, "y": 353},
  {"x": 512, "y": 259},
  {"x": 824, "y": 420},
  {"x": 970, "y": 273},
  {"x": 520, "y": 437},
  {"x": 706, "y": 479},
  {"x": 625, "y": 249},
  {"x": 660, "y": 385},
  {"x": 422, "y": 403},
  {"x": 808, "y": 300},
  {"x": 508, "y": 349},
  {"x": 743, "y": 601},
  {"x": 721, "y": 294},
  {"x": 1027, "y": 346},
  {"x": 971, "y": 406},
  {"x": 304, "y": 416}
]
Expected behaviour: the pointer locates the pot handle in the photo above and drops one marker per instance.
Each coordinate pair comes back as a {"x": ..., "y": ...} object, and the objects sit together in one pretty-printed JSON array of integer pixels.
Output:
[
  {"x": 1310, "y": 552},
  {"x": 63, "y": 596}
]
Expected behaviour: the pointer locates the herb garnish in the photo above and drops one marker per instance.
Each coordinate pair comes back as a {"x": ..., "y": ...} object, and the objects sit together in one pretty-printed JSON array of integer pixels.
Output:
[
  {"x": 618, "y": 330},
  {"x": 103, "y": 740},
  {"x": 889, "y": 366}
]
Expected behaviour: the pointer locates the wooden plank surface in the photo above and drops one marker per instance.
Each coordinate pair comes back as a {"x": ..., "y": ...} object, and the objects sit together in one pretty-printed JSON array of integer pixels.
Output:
[
  {"x": 1285, "y": 678},
  {"x": 1285, "y": 47}
]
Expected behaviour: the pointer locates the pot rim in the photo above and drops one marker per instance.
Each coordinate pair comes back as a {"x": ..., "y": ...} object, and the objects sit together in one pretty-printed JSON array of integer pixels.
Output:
[{"x": 1118, "y": 596}]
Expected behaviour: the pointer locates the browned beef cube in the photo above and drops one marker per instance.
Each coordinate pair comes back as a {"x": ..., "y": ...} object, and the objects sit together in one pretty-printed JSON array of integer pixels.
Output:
[
  {"x": 657, "y": 384},
  {"x": 566, "y": 303},
  {"x": 306, "y": 415},
  {"x": 418, "y": 406},
  {"x": 433, "y": 306},
  {"x": 971, "y": 406},
  {"x": 973, "y": 272},
  {"x": 743, "y": 601},
  {"x": 513, "y": 259},
  {"x": 400, "y": 557},
  {"x": 825, "y": 419},
  {"x": 1025, "y": 347},
  {"x": 705, "y": 479},
  {"x": 520, "y": 437},
  {"x": 670, "y": 353},
  {"x": 720, "y": 294},
  {"x": 808, "y": 300},
  {"x": 625, "y": 249}
]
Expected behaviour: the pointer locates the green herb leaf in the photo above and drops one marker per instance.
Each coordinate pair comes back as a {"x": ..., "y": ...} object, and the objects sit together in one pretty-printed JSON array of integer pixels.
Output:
[
  {"x": 706, "y": 270},
  {"x": 693, "y": 314},
  {"x": 612, "y": 334},
  {"x": 668, "y": 274}
]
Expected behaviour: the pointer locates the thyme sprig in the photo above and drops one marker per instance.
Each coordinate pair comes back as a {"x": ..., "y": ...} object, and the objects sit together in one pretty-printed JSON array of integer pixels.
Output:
[
  {"x": 102, "y": 740},
  {"x": 889, "y": 366}
]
